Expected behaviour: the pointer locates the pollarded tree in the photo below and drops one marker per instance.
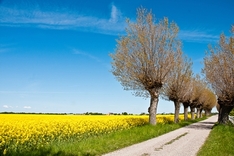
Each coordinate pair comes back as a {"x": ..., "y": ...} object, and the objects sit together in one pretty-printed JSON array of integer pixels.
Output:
[
  {"x": 175, "y": 88},
  {"x": 200, "y": 96},
  {"x": 144, "y": 58},
  {"x": 219, "y": 72},
  {"x": 194, "y": 89},
  {"x": 187, "y": 97},
  {"x": 208, "y": 100},
  {"x": 198, "y": 86}
]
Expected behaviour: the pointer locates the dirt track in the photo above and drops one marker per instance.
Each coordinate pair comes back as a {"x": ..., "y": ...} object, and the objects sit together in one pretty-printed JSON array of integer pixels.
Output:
[{"x": 185, "y": 141}]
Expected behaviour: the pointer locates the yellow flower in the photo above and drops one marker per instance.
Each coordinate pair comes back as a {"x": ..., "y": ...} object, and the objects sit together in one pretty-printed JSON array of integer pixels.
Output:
[
  {"x": 4, "y": 152},
  {"x": 39, "y": 130}
]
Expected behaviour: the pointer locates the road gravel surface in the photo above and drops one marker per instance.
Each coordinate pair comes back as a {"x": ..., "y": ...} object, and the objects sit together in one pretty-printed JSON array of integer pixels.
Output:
[{"x": 185, "y": 141}]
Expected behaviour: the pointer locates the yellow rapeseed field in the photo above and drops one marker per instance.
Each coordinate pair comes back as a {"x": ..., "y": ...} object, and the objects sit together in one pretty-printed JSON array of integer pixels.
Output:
[{"x": 35, "y": 131}]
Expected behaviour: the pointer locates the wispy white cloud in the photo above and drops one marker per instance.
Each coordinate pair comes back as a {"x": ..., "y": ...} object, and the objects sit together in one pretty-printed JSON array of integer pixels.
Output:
[
  {"x": 4, "y": 48},
  {"x": 36, "y": 92},
  {"x": 78, "y": 52},
  {"x": 62, "y": 20},
  {"x": 27, "y": 107},
  {"x": 198, "y": 60},
  {"x": 92, "y": 57},
  {"x": 198, "y": 36},
  {"x": 116, "y": 14},
  {"x": 6, "y": 106}
]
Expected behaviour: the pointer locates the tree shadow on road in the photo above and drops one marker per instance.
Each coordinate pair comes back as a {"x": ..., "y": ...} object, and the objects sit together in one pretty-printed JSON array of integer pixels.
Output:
[{"x": 202, "y": 125}]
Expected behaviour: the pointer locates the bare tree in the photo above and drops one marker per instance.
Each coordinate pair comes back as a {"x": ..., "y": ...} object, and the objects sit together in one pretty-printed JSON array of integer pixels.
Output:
[
  {"x": 193, "y": 89},
  {"x": 210, "y": 101},
  {"x": 198, "y": 90},
  {"x": 175, "y": 88},
  {"x": 206, "y": 102},
  {"x": 187, "y": 97},
  {"x": 219, "y": 72},
  {"x": 144, "y": 58}
]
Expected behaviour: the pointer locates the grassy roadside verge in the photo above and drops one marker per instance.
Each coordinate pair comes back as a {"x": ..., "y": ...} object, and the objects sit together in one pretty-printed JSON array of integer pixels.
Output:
[
  {"x": 98, "y": 145},
  {"x": 219, "y": 142}
]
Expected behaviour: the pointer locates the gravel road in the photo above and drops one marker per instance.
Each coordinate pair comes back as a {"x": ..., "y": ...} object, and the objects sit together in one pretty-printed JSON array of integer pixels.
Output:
[{"x": 185, "y": 141}]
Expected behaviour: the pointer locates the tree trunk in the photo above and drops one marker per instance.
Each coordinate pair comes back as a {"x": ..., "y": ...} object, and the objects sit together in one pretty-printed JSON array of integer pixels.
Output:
[
  {"x": 186, "y": 105},
  {"x": 192, "y": 108},
  {"x": 153, "y": 108},
  {"x": 198, "y": 113},
  {"x": 224, "y": 114},
  {"x": 177, "y": 111},
  {"x": 207, "y": 112}
]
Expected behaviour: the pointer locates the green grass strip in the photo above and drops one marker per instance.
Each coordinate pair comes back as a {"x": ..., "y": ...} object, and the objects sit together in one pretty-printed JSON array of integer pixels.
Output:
[{"x": 220, "y": 142}]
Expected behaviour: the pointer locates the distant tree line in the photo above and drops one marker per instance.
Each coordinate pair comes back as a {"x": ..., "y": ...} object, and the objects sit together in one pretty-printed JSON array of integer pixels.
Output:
[
  {"x": 33, "y": 113},
  {"x": 149, "y": 61},
  {"x": 92, "y": 113},
  {"x": 87, "y": 113}
]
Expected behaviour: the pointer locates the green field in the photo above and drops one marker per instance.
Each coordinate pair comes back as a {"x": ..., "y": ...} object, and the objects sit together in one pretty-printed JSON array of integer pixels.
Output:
[{"x": 220, "y": 142}]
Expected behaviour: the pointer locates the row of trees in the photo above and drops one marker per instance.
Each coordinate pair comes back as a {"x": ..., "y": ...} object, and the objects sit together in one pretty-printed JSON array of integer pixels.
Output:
[
  {"x": 191, "y": 92},
  {"x": 149, "y": 60},
  {"x": 219, "y": 71}
]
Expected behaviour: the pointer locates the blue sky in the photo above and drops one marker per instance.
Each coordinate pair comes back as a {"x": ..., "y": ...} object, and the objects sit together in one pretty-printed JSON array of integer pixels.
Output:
[{"x": 54, "y": 54}]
